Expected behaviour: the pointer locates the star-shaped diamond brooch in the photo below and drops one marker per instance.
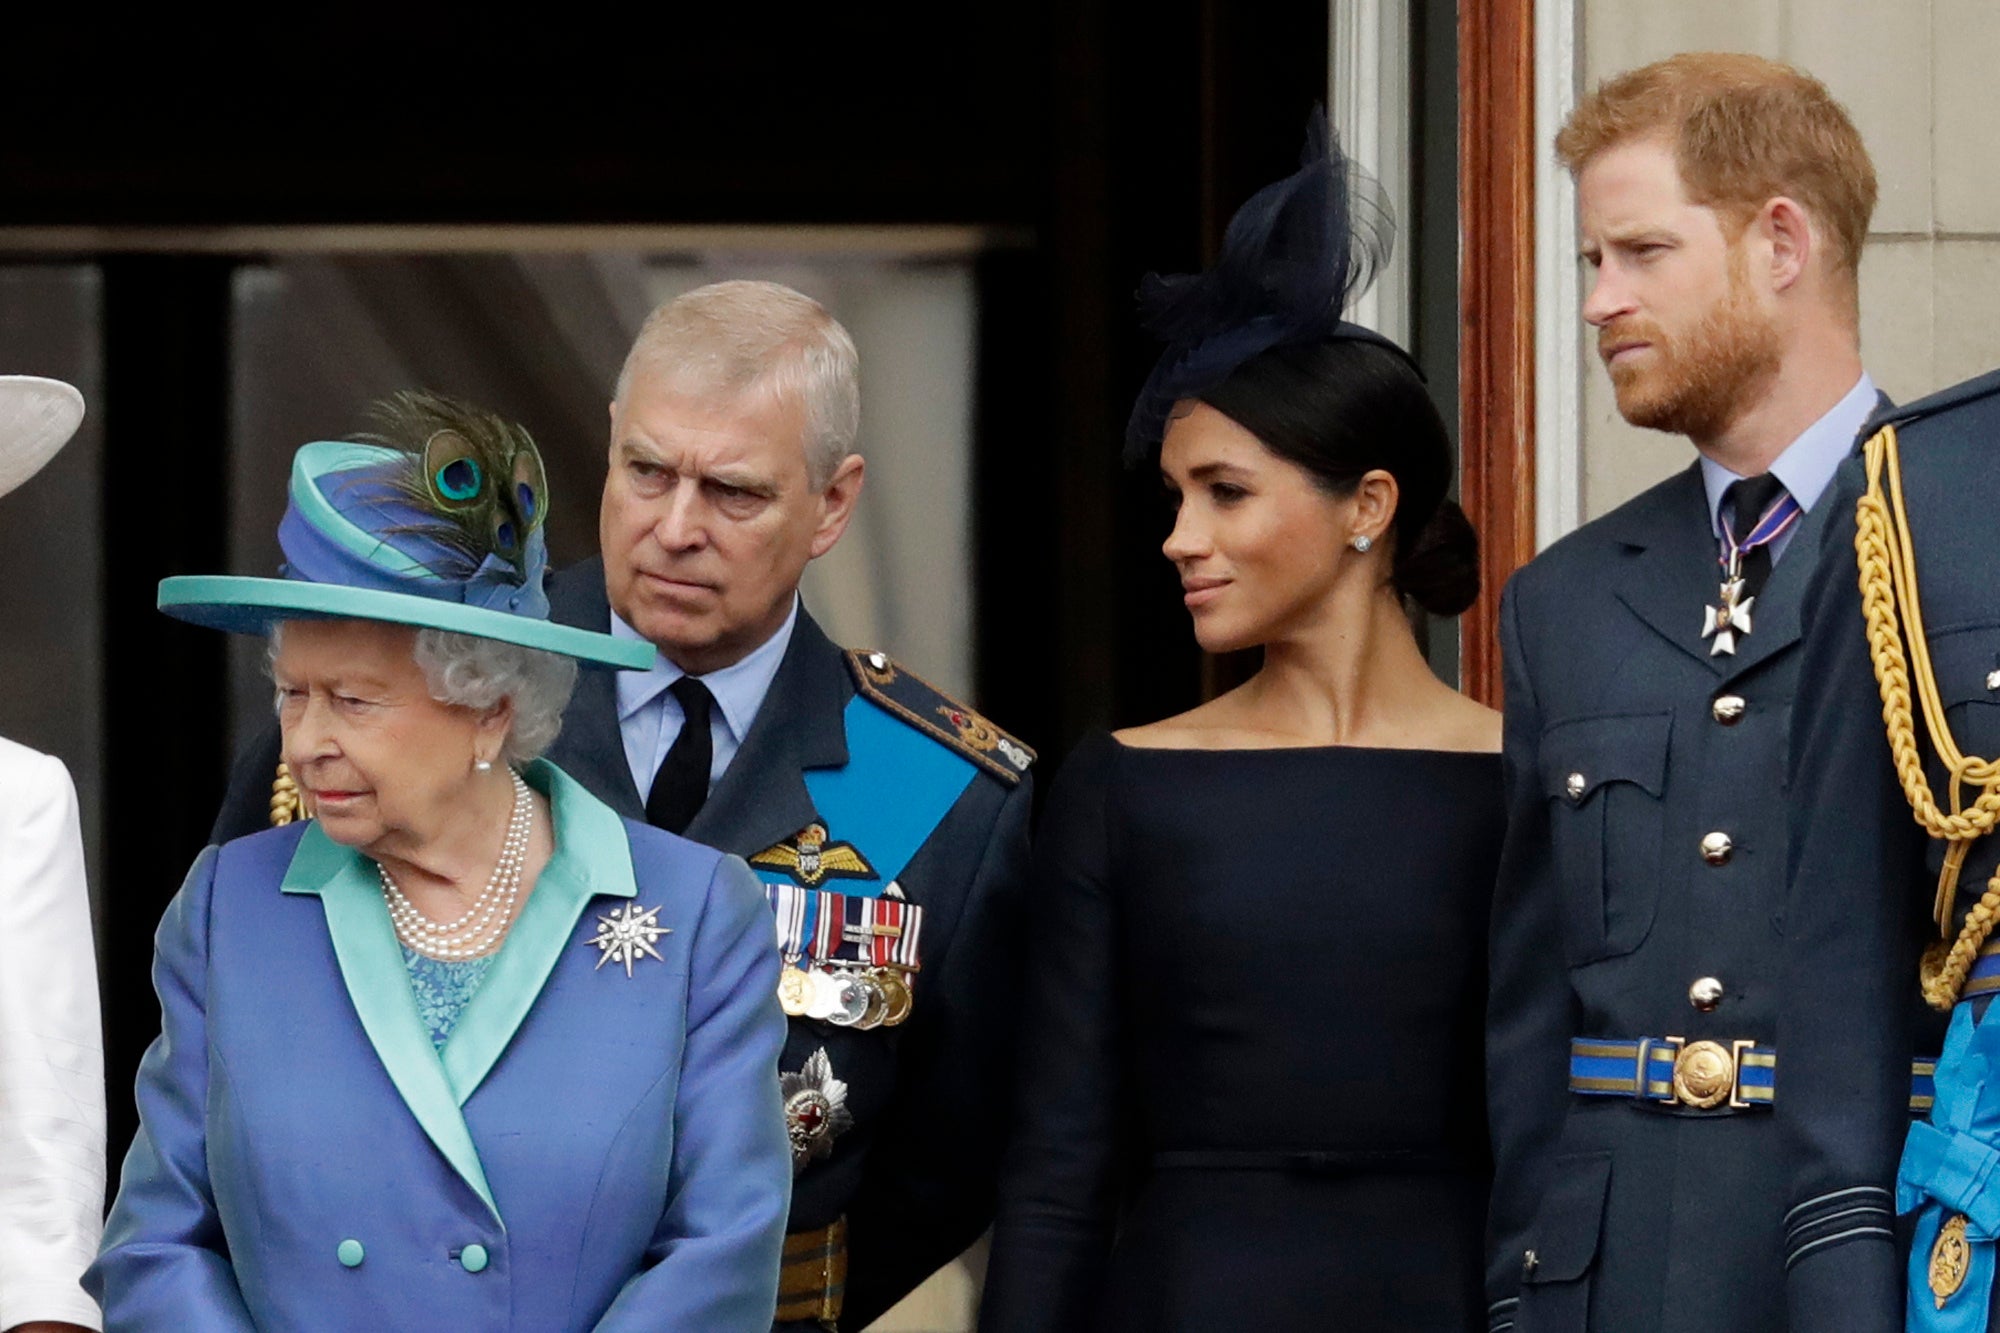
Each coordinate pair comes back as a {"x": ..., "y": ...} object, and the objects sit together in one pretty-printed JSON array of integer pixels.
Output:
[{"x": 627, "y": 933}]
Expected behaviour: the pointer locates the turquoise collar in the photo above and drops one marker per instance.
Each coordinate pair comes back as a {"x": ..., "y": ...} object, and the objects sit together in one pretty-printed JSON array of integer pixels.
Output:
[{"x": 592, "y": 857}]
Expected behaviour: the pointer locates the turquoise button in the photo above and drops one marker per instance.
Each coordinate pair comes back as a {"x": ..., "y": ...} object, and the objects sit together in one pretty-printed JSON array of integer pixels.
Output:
[
  {"x": 472, "y": 1258},
  {"x": 350, "y": 1254}
]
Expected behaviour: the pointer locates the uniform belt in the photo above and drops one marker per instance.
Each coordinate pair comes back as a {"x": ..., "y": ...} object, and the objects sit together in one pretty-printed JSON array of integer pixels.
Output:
[
  {"x": 1674, "y": 1071},
  {"x": 812, "y": 1280},
  {"x": 1708, "y": 1075}
]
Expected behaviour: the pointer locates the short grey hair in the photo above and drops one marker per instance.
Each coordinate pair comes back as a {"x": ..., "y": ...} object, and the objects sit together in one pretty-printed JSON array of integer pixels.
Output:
[
  {"x": 467, "y": 671},
  {"x": 727, "y": 338}
]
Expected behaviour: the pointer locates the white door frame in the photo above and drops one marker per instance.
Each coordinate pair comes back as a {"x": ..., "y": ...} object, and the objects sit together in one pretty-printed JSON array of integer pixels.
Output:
[
  {"x": 1369, "y": 93},
  {"x": 1559, "y": 349},
  {"x": 1369, "y": 96}
]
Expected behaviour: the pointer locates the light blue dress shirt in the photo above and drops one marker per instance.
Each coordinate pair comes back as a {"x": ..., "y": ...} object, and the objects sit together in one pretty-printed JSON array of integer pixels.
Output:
[
  {"x": 650, "y": 718},
  {"x": 1806, "y": 467}
]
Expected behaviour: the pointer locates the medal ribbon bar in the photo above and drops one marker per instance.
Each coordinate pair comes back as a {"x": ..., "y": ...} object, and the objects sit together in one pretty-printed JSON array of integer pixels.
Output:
[{"x": 821, "y": 927}]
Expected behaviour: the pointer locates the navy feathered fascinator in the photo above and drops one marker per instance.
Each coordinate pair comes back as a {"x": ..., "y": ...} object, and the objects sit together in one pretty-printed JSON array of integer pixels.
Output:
[{"x": 1293, "y": 257}]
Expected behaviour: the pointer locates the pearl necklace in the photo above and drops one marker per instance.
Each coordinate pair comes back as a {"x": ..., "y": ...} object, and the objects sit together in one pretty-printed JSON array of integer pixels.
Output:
[{"x": 478, "y": 931}]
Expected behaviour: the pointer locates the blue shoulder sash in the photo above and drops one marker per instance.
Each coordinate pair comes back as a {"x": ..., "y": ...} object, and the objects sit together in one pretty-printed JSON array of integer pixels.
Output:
[{"x": 875, "y": 810}]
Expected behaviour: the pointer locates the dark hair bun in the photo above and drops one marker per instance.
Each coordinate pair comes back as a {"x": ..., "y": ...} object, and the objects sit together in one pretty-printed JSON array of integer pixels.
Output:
[{"x": 1440, "y": 570}]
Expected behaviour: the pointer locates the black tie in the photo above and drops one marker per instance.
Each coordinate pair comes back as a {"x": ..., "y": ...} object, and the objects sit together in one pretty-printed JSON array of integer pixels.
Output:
[
  {"x": 681, "y": 785},
  {"x": 1749, "y": 500}
]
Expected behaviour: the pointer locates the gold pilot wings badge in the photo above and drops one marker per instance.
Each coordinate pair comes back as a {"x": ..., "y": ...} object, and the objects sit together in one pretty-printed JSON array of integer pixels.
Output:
[{"x": 808, "y": 857}]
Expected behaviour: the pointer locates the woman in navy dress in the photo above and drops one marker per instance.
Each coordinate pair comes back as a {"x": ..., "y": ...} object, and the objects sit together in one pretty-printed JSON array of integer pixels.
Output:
[{"x": 1252, "y": 1093}]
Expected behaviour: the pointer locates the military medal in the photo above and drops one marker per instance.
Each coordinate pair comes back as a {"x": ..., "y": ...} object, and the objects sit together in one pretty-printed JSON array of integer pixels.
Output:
[
  {"x": 896, "y": 995},
  {"x": 1951, "y": 1260},
  {"x": 850, "y": 961},
  {"x": 1722, "y": 625},
  {"x": 794, "y": 990},
  {"x": 628, "y": 934},
  {"x": 815, "y": 1109},
  {"x": 874, "y": 1003},
  {"x": 792, "y": 911},
  {"x": 823, "y": 997},
  {"x": 850, "y": 1000}
]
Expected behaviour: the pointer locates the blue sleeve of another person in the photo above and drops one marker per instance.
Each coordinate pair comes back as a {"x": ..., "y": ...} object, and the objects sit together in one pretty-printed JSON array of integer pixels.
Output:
[{"x": 713, "y": 1263}]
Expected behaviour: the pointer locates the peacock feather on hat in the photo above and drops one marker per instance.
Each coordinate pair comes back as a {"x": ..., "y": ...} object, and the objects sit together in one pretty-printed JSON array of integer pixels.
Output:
[{"x": 475, "y": 478}]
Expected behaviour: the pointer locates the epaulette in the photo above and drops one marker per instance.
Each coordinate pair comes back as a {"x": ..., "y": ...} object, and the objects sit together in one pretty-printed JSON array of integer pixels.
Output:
[
  {"x": 899, "y": 692},
  {"x": 1901, "y": 414}
]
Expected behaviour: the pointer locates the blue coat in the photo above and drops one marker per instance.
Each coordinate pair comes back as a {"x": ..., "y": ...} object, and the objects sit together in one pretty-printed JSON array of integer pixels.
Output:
[
  {"x": 915, "y": 1173},
  {"x": 1863, "y": 882},
  {"x": 1628, "y": 746},
  {"x": 589, "y": 1150}
]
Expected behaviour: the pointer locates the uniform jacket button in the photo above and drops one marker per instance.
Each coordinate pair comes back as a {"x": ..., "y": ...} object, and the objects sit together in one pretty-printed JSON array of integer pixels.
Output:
[
  {"x": 1575, "y": 785},
  {"x": 473, "y": 1258},
  {"x": 1705, "y": 994},
  {"x": 350, "y": 1253},
  {"x": 1716, "y": 848},
  {"x": 1727, "y": 709}
]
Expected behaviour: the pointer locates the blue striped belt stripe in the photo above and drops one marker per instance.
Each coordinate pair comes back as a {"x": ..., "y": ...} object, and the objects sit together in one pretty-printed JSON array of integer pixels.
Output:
[
  {"x": 1984, "y": 978},
  {"x": 1642, "y": 1069}
]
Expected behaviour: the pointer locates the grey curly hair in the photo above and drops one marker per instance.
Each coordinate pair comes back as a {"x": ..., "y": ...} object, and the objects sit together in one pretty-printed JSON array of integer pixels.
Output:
[
  {"x": 470, "y": 672},
  {"x": 478, "y": 673}
]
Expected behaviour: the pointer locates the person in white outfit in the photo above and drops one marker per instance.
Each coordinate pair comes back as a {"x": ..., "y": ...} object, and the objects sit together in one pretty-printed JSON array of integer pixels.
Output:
[{"x": 51, "y": 1050}]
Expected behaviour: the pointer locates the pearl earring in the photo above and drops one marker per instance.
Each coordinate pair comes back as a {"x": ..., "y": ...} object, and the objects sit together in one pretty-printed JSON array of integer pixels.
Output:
[
  {"x": 1363, "y": 542},
  {"x": 483, "y": 765}
]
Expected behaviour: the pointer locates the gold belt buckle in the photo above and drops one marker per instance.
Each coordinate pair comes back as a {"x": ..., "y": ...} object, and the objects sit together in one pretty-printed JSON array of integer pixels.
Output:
[{"x": 1705, "y": 1072}]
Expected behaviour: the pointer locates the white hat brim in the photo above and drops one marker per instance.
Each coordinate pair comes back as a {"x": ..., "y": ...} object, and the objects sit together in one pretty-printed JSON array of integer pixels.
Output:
[{"x": 37, "y": 418}]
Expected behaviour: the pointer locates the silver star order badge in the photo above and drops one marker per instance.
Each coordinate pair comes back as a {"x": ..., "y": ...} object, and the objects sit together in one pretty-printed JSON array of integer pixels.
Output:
[
  {"x": 1725, "y": 622},
  {"x": 627, "y": 933},
  {"x": 815, "y": 1109}
]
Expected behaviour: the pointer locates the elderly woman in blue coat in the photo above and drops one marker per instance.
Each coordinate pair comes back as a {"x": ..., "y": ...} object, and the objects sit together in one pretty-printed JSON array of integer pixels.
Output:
[{"x": 464, "y": 1049}]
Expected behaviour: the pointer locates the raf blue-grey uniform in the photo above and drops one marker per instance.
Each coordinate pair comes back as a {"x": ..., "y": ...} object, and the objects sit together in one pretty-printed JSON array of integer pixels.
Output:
[
  {"x": 913, "y": 1164},
  {"x": 1868, "y": 1192},
  {"x": 1638, "y": 913}
]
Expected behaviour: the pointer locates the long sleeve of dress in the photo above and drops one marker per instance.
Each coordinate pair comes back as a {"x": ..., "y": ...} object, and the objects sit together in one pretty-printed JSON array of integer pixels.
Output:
[
  {"x": 51, "y": 1053},
  {"x": 165, "y": 1263},
  {"x": 1060, "y": 1182}
]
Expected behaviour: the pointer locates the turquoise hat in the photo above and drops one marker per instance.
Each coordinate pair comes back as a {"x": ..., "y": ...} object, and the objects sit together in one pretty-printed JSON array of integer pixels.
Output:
[{"x": 448, "y": 537}]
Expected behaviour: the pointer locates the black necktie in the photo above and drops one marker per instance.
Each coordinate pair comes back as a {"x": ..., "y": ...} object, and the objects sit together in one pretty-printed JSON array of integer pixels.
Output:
[
  {"x": 1749, "y": 500},
  {"x": 681, "y": 785}
]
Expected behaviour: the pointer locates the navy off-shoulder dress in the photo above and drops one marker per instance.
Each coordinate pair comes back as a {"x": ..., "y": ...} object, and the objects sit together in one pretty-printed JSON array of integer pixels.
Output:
[{"x": 1252, "y": 1094}]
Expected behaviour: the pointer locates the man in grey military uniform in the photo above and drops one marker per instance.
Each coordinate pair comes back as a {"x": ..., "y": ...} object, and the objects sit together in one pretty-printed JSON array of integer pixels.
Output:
[
  {"x": 1650, "y": 661},
  {"x": 889, "y": 822},
  {"x": 1889, "y": 1222}
]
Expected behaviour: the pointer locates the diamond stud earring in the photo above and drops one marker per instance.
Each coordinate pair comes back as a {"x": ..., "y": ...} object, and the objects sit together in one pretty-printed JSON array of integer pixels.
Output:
[{"x": 1363, "y": 542}]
